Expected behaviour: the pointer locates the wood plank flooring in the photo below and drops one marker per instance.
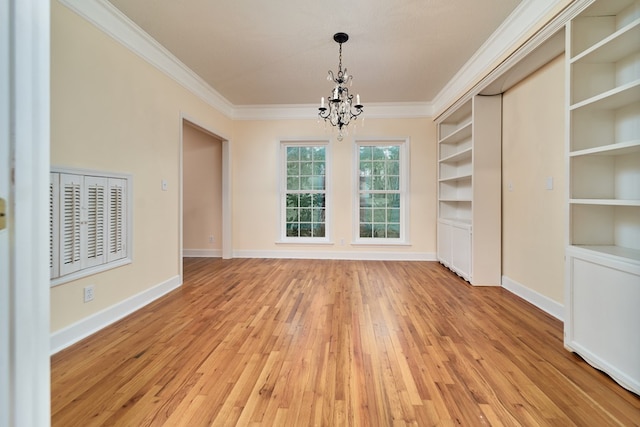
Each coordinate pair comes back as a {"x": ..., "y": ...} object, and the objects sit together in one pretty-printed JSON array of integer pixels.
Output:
[{"x": 253, "y": 342}]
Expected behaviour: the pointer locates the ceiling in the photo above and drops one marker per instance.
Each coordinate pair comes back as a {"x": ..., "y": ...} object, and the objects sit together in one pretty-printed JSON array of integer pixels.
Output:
[{"x": 279, "y": 51}]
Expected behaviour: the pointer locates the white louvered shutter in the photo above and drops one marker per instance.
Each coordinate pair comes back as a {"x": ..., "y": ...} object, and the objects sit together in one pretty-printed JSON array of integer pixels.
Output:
[
  {"x": 94, "y": 230},
  {"x": 54, "y": 224},
  {"x": 117, "y": 219},
  {"x": 70, "y": 223}
]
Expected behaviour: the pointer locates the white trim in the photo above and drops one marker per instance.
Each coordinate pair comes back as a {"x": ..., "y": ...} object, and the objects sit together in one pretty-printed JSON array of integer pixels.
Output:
[
  {"x": 26, "y": 74},
  {"x": 109, "y": 19},
  {"x": 65, "y": 337},
  {"x": 117, "y": 25},
  {"x": 521, "y": 21},
  {"x": 543, "y": 302},
  {"x": 202, "y": 253},
  {"x": 389, "y": 110},
  {"x": 338, "y": 255}
]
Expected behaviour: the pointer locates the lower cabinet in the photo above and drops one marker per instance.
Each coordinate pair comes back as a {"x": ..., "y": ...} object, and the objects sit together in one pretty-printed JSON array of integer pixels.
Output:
[
  {"x": 602, "y": 318},
  {"x": 454, "y": 247}
]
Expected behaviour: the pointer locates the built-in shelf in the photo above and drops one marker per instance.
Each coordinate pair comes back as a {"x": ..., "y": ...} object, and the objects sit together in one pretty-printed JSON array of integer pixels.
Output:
[
  {"x": 617, "y": 46},
  {"x": 619, "y": 149},
  {"x": 612, "y": 99},
  {"x": 469, "y": 140},
  {"x": 459, "y": 156},
  {"x": 603, "y": 204}
]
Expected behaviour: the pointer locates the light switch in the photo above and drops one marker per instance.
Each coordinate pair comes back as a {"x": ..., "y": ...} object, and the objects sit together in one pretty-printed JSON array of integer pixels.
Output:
[
  {"x": 549, "y": 183},
  {"x": 165, "y": 186}
]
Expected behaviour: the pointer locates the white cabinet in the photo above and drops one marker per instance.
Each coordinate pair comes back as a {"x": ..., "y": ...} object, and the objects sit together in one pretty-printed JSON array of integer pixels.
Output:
[
  {"x": 603, "y": 157},
  {"x": 469, "y": 203}
]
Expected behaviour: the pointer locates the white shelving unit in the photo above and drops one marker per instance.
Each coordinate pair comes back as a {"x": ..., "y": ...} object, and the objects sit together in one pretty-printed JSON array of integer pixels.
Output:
[
  {"x": 602, "y": 299},
  {"x": 469, "y": 170}
]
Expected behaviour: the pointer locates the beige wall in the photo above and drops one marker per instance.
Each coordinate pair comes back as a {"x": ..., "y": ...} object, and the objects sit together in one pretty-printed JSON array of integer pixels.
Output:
[
  {"x": 112, "y": 111},
  {"x": 533, "y": 150},
  {"x": 256, "y": 174},
  {"x": 202, "y": 190}
]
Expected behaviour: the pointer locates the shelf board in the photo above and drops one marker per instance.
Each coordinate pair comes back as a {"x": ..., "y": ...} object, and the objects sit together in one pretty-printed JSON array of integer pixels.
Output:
[
  {"x": 605, "y": 202},
  {"x": 462, "y": 155},
  {"x": 618, "y": 45},
  {"x": 612, "y": 99},
  {"x": 618, "y": 149},
  {"x": 454, "y": 199},
  {"x": 618, "y": 251},
  {"x": 453, "y": 220},
  {"x": 463, "y": 132},
  {"x": 456, "y": 178}
]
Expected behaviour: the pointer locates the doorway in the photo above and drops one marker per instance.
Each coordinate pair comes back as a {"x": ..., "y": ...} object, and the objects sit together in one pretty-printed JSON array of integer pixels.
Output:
[{"x": 205, "y": 201}]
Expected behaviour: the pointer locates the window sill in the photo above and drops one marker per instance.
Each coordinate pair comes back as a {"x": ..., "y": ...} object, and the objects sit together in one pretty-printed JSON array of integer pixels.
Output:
[
  {"x": 89, "y": 271},
  {"x": 304, "y": 242},
  {"x": 380, "y": 242}
]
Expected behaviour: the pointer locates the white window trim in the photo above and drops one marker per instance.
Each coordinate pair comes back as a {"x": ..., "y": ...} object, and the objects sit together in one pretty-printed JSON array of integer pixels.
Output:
[
  {"x": 282, "y": 165},
  {"x": 405, "y": 175},
  {"x": 107, "y": 265}
]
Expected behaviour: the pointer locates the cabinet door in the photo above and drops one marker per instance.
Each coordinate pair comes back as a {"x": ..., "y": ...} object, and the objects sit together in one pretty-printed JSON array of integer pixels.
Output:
[
  {"x": 444, "y": 243},
  {"x": 461, "y": 251},
  {"x": 604, "y": 317}
]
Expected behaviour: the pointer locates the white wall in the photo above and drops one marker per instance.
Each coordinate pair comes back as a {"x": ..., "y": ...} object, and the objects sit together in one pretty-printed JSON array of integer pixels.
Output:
[{"x": 533, "y": 216}]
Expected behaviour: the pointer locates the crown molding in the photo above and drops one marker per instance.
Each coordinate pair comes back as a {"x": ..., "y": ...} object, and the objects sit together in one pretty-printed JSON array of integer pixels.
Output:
[
  {"x": 110, "y": 20},
  {"x": 500, "y": 44},
  {"x": 310, "y": 111},
  {"x": 114, "y": 23}
]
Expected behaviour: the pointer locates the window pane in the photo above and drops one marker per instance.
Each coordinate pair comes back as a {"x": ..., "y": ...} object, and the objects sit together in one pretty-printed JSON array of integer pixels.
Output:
[
  {"x": 393, "y": 215},
  {"x": 306, "y": 153},
  {"x": 366, "y": 182},
  {"x": 293, "y": 200},
  {"x": 305, "y": 229},
  {"x": 319, "y": 154},
  {"x": 366, "y": 230},
  {"x": 393, "y": 231},
  {"x": 379, "y": 153},
  {"x": 366, "y": 215},
  {"x": 379, "y": 215},
  {"x": 292, "y": 230},
  {"x": 379, "y": 230},
  {"x": 393, "y": 167},
  {"x": 393, "y": 152},
  {"x": 293, "y": 168},
  {"x": 319, "y": 200},
  {"x": 393, "y": 183},
  {"x": 306, "y": 183},
  {"x": 293, "y": 183},
  {"x": 378, "y": 183},
  {"x": 318, "y": 230},
  {"x": 378, "y": 168},
  {"x": 293, "y": 153},
  {"x": 292, "y": 214},
  {"x": 365, "y": 152}
]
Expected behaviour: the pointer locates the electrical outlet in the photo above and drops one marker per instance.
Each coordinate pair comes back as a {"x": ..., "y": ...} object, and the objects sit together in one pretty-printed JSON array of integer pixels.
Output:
[{"x": 88, "y": 293}]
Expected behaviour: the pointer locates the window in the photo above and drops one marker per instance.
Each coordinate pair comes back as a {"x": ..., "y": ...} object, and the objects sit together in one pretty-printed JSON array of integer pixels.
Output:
[
  {"x": 304, "y": 196},
  {"x": 382, "y": 199},
  {"x": 89, "y": 220}
]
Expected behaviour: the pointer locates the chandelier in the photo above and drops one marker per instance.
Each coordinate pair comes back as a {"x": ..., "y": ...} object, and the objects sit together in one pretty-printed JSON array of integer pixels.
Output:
[{"x": 340, "y": 109}]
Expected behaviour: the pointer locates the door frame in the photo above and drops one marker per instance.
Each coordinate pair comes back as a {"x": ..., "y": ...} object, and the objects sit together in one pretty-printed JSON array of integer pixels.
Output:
[
  {"x": 227, "y": 226},
  {"x": 24, "y": 164}
]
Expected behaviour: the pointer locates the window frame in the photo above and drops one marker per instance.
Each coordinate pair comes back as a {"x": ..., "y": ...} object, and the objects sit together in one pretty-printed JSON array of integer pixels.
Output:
[
  {"x": 88, "y": 265},
  {"x": 283, "y": 238},
  {"x": 404, "y": 186}
]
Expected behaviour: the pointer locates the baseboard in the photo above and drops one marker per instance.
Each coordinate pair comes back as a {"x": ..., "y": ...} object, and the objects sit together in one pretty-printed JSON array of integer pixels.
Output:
[
  {"x": 342, "y": 255},
  {"x": 202, "y": 253},
  {"x": 542, "y": 302},
  {"x": 65, "y": 337}
]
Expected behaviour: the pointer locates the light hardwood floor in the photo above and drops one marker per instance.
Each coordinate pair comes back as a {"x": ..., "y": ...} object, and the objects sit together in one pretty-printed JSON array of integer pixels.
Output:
[{"x": 330, "y": 343}]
